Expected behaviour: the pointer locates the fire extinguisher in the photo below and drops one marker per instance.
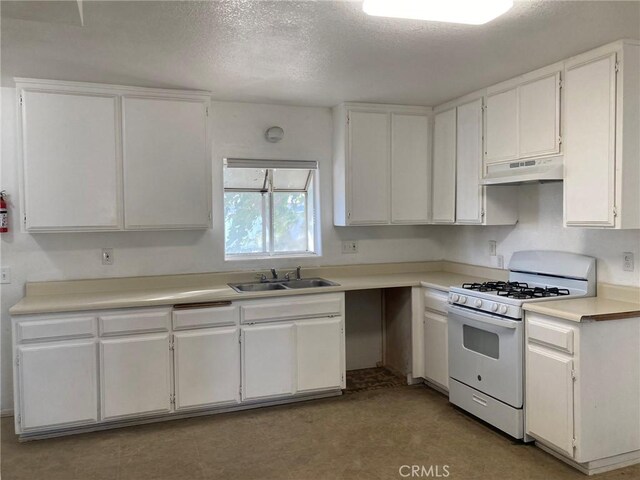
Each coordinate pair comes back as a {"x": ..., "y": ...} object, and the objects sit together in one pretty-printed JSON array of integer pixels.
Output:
[{"x": 4, "y": 214}]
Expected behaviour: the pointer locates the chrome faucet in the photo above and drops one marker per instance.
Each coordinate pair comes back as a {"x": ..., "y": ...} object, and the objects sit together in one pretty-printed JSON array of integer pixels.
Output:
[
  {"x": 274, "y": 274},
  {"x": 297, "y": 272}
]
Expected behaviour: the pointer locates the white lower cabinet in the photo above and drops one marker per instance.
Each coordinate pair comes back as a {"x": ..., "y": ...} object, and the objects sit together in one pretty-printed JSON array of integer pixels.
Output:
[
  {"x": 550, "y": 394},
  {"x": 429, "y": 336},
  {"x": 319, "y": 353},
  {"x": 57, "y": 385},
  {"x": 207, "y": 367},
  {"x": 582, "y": 390},
  {"x": 436, "y": 351},
  {"x": 268, "y": 361},
  {"x": 135, "y": 374},
  {"x": 73, "y": 370}
]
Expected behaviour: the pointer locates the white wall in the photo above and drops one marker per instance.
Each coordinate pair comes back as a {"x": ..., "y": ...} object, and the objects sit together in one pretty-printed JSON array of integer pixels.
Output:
[
  {"x": 540, "y": 227},
  {"x": 238, "y": 130}
]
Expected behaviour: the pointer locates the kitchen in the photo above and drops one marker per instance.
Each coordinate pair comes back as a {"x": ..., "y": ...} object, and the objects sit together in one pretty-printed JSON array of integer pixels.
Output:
[{"x": 401, "y": 206}]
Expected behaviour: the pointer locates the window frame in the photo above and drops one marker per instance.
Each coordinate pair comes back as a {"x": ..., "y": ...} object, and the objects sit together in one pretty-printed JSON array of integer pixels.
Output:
[{"x": 312, "y": 208}]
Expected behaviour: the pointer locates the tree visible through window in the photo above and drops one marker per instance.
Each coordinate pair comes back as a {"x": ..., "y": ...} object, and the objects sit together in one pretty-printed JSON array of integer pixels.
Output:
[{"x": 269, "y": 207}]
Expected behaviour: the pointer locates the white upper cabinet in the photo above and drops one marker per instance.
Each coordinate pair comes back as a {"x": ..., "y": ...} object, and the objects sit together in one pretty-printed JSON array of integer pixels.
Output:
[
  {"x": 522, "y": 117},
  {"x": 469, "y": 208},
  {"x": 458, "y": 196},
  {"x": 368, "y": 152},
  {"x": 73, "y": 137},
  {"x": 602, "y": 146},
  {"x": 71, "y": 159},
  {"x": 502, "y": 126},
  {"x": 166, "y": 162},
  {"x": 539, "y": 116},
  {"x": 409, "y": 168},
  {"x": 381, "y": 164},
  {"x": 444, "y": 167}
]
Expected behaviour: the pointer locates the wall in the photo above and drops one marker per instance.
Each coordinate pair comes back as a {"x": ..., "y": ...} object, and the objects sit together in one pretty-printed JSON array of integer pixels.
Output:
[
  {"x": 540, "y": 227},
  {"x": 237, "y": 131}
]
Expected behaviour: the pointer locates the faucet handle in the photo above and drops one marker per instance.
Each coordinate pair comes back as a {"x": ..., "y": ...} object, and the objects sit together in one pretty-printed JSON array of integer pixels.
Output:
[{"x": 261, "y": 276}]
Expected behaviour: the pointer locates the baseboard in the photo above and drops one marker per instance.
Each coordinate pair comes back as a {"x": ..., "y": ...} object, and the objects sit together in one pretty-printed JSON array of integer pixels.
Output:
[
  {"x": 596, "y": 466},
  {"x": 6, "y": 413}
]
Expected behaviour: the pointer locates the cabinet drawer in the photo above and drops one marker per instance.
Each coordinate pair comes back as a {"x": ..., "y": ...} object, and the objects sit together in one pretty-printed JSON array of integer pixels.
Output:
[
  {"x": 134, "y": 322},
  {"x": 212, "y": 316},
  {"x": 550, "y": 334},
  {"x": 435, "y": 300},
  {"x": 282, "y": 308},
  {"x": 55, "y": 329}
]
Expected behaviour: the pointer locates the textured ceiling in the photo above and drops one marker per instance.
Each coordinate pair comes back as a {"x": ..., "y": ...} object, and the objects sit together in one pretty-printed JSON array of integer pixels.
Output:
[{"x": 298, "y": 52}]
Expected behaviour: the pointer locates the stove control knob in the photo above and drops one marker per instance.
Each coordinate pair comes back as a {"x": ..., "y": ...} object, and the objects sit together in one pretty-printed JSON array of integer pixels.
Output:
[
  {"x": 463, "y": 299},
  {"x": 503, "y": 309},
  {"x": 455, "y": 297},
  {"x": 494, "y": 307},
  {"x": 478, "y": 303}
]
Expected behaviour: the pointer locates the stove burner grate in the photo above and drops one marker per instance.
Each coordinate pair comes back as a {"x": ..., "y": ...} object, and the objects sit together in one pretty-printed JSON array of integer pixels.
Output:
[{"x": 517, "y": 290}]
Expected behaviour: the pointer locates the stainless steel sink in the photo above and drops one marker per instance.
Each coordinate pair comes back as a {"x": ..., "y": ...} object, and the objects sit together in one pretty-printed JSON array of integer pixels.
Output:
[
  {"x": 310, "y": 283},
  {"x": 256, "y": 287},
  {"x": 282, "y": 285}
]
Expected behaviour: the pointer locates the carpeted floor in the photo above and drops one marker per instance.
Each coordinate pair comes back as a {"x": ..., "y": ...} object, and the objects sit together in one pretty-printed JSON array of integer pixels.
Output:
[
  {"x": 367, "y": 435},
  {"x": 372, "y": 379}
]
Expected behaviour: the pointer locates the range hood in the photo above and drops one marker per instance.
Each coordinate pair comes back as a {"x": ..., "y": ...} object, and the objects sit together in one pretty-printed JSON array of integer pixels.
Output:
[{"x": 524, "y": 171}]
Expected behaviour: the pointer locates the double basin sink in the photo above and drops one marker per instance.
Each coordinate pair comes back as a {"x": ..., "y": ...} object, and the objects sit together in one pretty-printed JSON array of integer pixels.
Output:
[{"x": 265, "y": 286}]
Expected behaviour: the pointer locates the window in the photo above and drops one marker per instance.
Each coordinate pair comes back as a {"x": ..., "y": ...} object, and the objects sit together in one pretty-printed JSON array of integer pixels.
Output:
[{"x": 269, "y": 208}]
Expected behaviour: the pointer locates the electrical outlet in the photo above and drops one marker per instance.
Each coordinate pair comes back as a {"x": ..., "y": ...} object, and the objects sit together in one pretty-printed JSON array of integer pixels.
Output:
[
  {"x": 107, "y": 256},
  {"x": 5, "y": 275},
  {"x": 627, "y": 262},
  {"x": 492, "y": 247},
  {"x": 350, "y": 246}
]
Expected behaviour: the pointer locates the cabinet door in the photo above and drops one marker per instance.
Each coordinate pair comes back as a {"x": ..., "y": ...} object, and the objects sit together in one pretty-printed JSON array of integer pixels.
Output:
[
  {"x": 589, "y": 158},
  {"x": 368, "y": 168},
  {"x": 207, "y": 367},
  {"x": 58, "y": 385},
  {"x": 135, "y": 376},
  {"x": 166, "y": 163},
  {"x": 539, "y": 117},
  {"x": 436, "y": 350},
  {"x": 549, "y": 398},
  {"x": 320, "y": 354},
  {"x": 268, "y": 361},
  {"x": 71, "y": 163},
  {"x": 501, "y": 123},
  {"x": 410, "y": 179},
  {"x": 444, "y": 167},
  {"x": 469, "y": 192}
]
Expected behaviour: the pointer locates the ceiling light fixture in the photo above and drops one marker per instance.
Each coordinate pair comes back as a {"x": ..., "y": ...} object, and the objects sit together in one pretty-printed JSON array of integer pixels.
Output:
[{"x": 471, "y": 12}]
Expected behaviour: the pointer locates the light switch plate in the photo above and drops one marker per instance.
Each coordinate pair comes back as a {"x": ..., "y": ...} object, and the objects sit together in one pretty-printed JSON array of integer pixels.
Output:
[
  {"x": 5, "y": 275},
  {"x": 627, "y": 262},
  {"x": 492, "y": 247},
  {"x": 350, "y": 246}
]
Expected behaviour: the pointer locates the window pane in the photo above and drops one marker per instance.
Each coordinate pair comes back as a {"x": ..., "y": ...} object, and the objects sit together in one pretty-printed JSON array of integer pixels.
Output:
[
  {"x": 243, "y": 222},
  {"x": 247, "y": 178},
  {"x": 289, "y": 222},
  {"x": 290, "y": 179}
]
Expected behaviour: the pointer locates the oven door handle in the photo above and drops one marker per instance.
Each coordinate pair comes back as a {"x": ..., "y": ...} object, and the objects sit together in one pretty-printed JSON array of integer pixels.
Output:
[{"x": 464, "y": 313}]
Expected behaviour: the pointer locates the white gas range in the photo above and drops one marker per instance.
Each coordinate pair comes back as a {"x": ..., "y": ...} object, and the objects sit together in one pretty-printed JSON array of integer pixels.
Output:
[{"x": 486, "y": 332}]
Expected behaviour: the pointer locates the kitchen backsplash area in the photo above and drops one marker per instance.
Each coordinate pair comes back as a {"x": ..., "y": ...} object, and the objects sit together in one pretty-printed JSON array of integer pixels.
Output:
[{"x": 540, "y": 228}]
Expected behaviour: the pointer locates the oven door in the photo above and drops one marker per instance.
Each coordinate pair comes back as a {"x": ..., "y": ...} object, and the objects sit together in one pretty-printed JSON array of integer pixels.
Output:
[{"x": 485, "y": 353}]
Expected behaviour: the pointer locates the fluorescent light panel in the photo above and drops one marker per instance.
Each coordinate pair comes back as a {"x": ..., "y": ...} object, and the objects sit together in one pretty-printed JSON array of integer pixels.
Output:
[{"x": 471, "y": 12}]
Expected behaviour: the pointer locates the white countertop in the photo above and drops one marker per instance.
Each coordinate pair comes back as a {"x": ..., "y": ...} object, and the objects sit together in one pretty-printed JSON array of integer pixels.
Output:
[{"x": 202, "y": 291}]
